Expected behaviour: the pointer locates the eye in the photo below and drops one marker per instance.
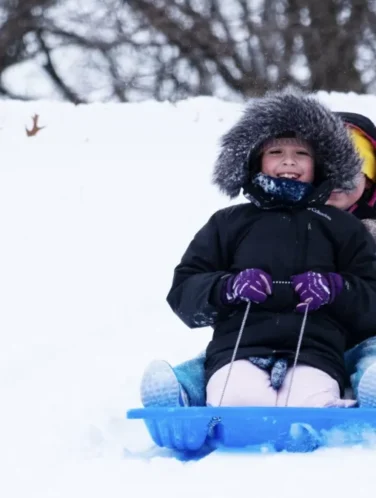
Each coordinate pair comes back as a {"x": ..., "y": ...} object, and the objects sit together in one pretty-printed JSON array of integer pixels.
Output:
[
  {"x": 275, "y": 151},
  {"x": 303, "y": 153}
]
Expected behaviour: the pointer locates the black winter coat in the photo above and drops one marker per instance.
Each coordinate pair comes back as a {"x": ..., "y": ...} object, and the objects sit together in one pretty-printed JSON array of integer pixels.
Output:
[{"x": 282, "y": 242}]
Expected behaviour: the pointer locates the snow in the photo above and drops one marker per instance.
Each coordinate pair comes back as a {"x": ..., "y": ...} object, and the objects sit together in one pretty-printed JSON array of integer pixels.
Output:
[{"x": 96, "y": 210}]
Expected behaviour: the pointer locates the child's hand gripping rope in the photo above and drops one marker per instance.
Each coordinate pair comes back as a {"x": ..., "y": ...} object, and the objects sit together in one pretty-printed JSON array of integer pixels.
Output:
[
  {"x": 249, "y": 285},
  {"x": 316, "y": 289}
]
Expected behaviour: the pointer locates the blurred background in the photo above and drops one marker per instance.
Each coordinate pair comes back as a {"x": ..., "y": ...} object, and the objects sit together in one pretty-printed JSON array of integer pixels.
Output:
[{"x": 133, "y": 50}]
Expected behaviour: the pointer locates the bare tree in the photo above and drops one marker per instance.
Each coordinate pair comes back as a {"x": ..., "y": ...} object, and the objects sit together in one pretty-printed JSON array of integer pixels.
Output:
[
  {"x": 17, "y": 19},
  {"x": 79, "y": 52},
  {"x": 170, "y": 49},
  {"x": 253, "y": 48},
  {"x": 331, "y": 47}
]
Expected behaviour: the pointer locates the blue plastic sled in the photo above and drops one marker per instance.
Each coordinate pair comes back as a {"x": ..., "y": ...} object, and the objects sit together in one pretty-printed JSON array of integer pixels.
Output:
[{"x": 291, "y": 429}]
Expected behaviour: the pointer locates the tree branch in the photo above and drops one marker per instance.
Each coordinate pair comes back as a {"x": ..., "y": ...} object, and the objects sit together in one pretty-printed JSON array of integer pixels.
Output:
[{"x": 49, "y": 67}]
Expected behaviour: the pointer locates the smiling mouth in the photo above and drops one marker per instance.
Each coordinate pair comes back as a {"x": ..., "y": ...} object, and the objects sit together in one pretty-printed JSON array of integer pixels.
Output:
[{"x": 291, "y": 176}]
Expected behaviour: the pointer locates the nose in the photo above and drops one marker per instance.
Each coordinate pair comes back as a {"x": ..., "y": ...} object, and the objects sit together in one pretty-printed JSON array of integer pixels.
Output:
[{"x": 288, "y": 160}]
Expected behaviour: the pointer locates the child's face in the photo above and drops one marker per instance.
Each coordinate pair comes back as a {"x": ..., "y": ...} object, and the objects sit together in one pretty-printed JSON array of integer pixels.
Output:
[
  {"x": 344, "y": 200},
  {"x": 288, "y": 161}
]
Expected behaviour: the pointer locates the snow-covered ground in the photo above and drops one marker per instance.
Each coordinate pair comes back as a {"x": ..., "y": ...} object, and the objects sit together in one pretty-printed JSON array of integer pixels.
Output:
[{"x": 95, "y": 212}]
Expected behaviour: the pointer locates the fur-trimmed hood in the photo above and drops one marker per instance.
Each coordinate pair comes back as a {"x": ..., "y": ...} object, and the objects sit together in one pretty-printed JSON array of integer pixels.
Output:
[{"x": 336, "y": 159}]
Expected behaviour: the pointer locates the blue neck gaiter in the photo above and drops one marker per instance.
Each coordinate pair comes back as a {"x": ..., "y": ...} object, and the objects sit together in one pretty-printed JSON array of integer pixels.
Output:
[{"x": 283, "y": 189}]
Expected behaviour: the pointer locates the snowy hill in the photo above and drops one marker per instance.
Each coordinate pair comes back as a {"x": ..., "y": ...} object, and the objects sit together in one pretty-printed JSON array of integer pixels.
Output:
[{"x": 95, "y": 212}]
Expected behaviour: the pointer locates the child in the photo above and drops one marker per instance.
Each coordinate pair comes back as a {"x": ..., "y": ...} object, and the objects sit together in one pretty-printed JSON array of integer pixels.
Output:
[
  {"x": 284, "y": 234},
  {"x": 183, "y": 385},
  {"x": 361, "y": 201}
]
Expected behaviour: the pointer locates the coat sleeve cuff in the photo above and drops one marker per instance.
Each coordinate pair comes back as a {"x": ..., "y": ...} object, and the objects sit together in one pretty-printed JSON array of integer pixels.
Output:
[{"x": 216, "y": 297}]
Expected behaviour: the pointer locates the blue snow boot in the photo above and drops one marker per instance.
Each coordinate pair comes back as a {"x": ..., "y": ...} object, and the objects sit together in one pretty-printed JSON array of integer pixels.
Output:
[
  {"x": 361, "y": 365},
  {"x": 367, "y": 388},
  {"x": 191, "y": 375},
  {"x": 160, "y": 386}
]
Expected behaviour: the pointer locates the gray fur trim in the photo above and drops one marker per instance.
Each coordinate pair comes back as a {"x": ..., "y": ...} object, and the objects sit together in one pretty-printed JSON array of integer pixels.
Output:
[{"x": 289, "y": 111}]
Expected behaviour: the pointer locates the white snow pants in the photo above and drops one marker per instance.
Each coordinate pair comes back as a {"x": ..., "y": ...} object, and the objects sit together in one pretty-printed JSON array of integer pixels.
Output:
[{"x": 249, "y": 385}]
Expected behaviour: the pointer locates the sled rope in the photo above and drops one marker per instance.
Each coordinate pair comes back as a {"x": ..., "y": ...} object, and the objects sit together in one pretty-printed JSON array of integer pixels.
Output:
[
  {"x": 297, "y": 352},
  {"x": 235, "y": 351}
]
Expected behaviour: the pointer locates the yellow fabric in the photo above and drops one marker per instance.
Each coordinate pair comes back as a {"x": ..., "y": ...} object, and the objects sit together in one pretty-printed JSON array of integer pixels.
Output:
[{"x": 366, "y": 152}]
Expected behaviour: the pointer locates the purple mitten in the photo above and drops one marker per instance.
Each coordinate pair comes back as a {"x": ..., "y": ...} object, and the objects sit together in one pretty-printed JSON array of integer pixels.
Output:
[
  {"x": 316, "y": 289},
  {"x": 248, "y": 285}
]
